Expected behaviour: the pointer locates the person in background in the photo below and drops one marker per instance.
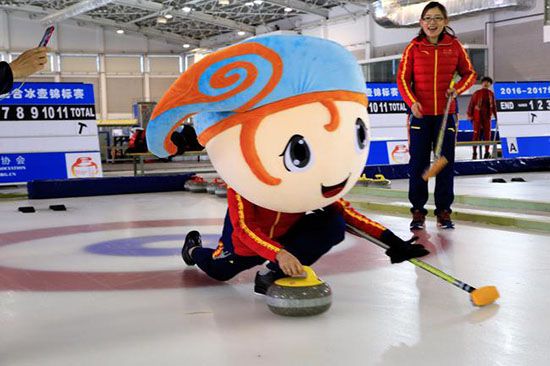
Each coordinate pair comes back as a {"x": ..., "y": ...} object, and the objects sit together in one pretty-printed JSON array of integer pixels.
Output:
[
  {"x": 137, "y": 143},
  {"x": 482, "y": 106},
  {"x": 429, "y": 63},
  {"x": 185, "y": 139},
  {"x": 28, "y": 63}
]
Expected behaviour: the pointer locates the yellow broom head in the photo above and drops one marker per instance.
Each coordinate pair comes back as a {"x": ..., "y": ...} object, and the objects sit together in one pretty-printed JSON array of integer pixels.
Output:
[
  {"x": 436, "y": 167},
  {"x": 484, "y": 295}
]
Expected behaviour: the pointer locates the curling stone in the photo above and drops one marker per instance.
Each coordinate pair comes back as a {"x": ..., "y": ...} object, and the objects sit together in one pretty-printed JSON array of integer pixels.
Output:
[
  {"x": 197, "y": 184},
  {"x": 213, "y": 185},
  {"x": 362, "y": 181},
  {"x": 221, "y": 190},
  {"x": 186, "y": 185},
  {"x": 378, "y": 181},
  {"x": 299, "y": 296},
  {"x": 381, "y": 181}
]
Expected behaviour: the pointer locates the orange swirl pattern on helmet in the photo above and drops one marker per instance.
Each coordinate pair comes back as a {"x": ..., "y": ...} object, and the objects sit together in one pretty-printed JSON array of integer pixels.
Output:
[{"x": 186, "y": 91}]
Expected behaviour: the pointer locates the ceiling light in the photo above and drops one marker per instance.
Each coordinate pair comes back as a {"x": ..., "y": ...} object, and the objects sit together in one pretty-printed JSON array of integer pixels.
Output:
[
  {"x": 249, "y": 3},
  {"x": 120, "y": 31},
  {"x": 241, "y": 33},
  {"x": 168, "y": 16},
  {"x": 186, "y": 9},
  {"x": 162, "y": 20},
  {"x": 258, "y": 2},
  {"x": 186, "y": 45},
  {"x": 223, "y": 2},
  {"x": 288, "y": 10}
]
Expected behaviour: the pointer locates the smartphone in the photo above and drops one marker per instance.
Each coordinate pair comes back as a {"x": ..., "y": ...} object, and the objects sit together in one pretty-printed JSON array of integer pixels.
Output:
[{"x": 46, "y": 37}]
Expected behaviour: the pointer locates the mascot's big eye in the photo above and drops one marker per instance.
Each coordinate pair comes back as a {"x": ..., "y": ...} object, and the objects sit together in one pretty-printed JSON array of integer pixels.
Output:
[
  {"x": 297, "y": 155},
  {"x": 360, "y": 135}
]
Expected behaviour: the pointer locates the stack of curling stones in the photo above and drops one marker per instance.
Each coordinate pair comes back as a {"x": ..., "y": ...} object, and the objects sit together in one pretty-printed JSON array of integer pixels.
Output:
[
  {"x": 378, "y": 181},
  {"x": 299, "y": 296},
  {"x": 198, "y": 184}
]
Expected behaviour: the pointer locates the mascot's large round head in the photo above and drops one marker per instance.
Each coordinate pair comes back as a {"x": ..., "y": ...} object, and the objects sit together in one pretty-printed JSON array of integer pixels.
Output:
[{"x": 283, "y": 119}]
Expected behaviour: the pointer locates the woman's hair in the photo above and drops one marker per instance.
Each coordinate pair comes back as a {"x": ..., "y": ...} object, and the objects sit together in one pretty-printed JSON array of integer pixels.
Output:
[{"x": 446, "y": 29}]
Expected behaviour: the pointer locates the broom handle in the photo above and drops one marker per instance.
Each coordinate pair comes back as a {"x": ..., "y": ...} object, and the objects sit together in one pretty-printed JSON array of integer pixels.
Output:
[
  {"x": 494, "y": 139},
  {"x": 417, "y": 262},
  {"x": 441, "y": 134}
]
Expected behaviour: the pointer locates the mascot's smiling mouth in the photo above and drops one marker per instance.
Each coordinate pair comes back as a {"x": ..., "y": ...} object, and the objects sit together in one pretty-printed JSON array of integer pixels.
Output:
[{"x": 332, "y": 191}]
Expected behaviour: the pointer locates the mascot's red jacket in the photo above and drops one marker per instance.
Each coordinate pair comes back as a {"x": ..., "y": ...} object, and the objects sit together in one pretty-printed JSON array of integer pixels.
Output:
[
  {"x": 256, "y": 229},
  {"x": 427, "y": 69}
]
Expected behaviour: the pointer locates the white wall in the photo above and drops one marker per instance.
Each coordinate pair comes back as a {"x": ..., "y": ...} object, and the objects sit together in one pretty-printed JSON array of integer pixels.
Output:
[
  {"x": 364, "y": 36},
  {"x": 25, "y": 31},
  {"x": 20, "y": 31},
  {"x": 359, "y": 33}
]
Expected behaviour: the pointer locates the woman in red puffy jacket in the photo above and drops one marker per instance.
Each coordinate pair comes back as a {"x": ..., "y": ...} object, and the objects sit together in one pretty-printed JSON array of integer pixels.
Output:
[{"x": 427, "y": 67}]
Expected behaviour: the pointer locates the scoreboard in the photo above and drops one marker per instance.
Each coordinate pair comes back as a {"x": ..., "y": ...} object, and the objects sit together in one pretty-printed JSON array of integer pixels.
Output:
[
  {"x": 388, "y": 125},
  {"x": 524, "y": 118},
  {"x": 48, "y": 131}
]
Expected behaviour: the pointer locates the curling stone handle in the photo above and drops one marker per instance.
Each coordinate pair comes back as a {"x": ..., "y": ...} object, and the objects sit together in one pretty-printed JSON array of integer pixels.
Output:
[
  {"x": 309, "y": 274},
  {"x": 310, "y": 279}
]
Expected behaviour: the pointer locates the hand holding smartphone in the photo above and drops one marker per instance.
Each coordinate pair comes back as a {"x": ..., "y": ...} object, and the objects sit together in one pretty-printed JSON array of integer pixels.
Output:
[{"x": 33, "y": 60}]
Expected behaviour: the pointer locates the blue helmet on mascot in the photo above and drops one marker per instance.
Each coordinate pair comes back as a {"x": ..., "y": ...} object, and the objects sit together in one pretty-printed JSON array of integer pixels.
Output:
[{"x": 282, "y": 117}]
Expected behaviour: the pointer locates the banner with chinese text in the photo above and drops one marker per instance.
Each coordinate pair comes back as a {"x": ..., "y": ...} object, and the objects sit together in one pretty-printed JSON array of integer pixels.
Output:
[{"x": 48, "y": 131}]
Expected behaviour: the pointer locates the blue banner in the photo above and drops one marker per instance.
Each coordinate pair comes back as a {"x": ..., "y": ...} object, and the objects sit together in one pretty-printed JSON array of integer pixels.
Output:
[
  {"x": 378, "y": 153},
  {"x": 522, "y": 90},
  {"x": 520, "y": 147},
  {"x": 49, "y": 94},
  {"x": 509, "y": 90},
  {"x": 26, "y": 167},
  {"x": 383, "y": 92}
]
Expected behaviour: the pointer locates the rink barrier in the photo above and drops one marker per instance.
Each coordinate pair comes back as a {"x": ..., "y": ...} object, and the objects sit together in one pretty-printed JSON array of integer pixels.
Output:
[
  {"x": 490, "y": 218},
  {"x": 7, "y": 196},
  {"x": 490, "y": 166},
  {"x": 475, "y": 201},
  {"x": 60, "y": 188}
]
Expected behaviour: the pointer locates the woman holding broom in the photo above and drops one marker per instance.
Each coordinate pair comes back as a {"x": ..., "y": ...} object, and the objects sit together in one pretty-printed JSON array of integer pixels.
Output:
[{"x": 424, "y": 78}]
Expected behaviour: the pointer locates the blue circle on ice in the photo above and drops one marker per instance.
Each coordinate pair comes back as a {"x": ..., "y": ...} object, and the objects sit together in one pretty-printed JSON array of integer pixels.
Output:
[{"x": 138, "y": 246}]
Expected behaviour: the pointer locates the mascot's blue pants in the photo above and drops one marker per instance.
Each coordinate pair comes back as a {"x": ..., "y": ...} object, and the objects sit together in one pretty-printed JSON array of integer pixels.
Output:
[
  {"x": 423, "y": 138},
  {"x": 311, "y": 237}
]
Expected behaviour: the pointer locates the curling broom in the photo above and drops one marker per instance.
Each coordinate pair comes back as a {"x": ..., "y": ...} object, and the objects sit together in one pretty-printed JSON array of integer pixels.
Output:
[
  {"x": 478, "y": 296},
  {"x": 440, "y": 161}
]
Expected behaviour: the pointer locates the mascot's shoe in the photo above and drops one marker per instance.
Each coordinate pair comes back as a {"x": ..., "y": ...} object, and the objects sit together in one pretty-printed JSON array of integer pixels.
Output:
[
  {"x": 419, "y": 220},
  {"x": 192, "y": 240},
  {"x": 444, "y": 220},
  {"x": 263, "y": 281}
]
